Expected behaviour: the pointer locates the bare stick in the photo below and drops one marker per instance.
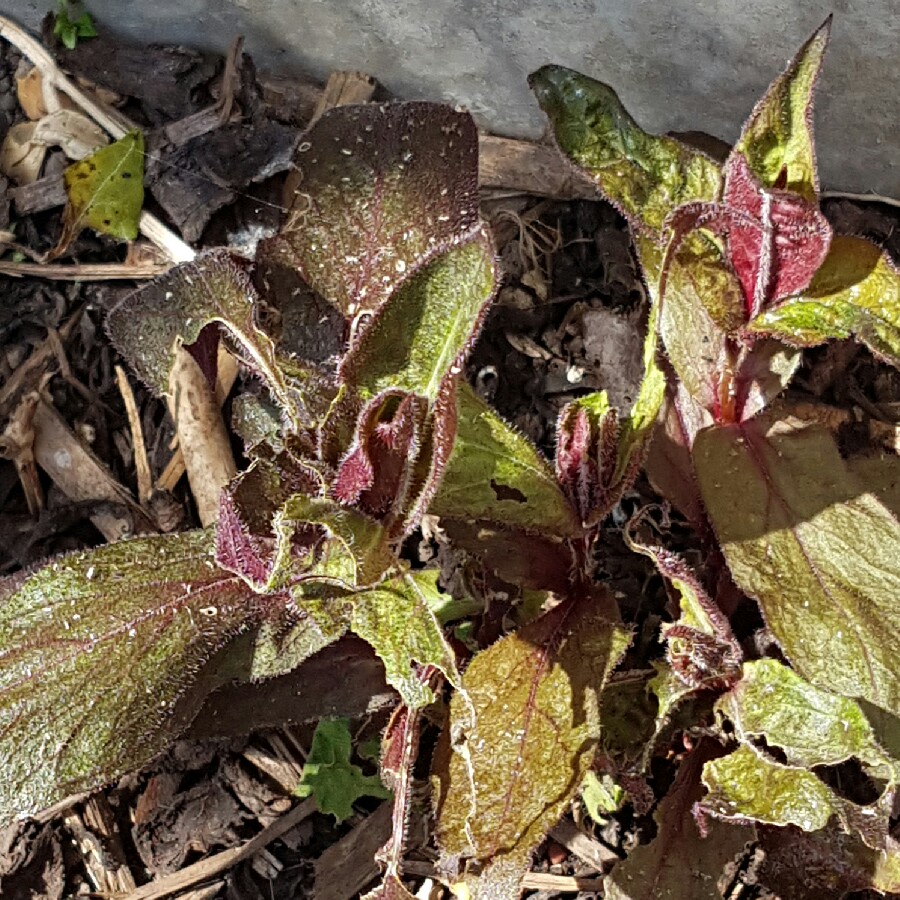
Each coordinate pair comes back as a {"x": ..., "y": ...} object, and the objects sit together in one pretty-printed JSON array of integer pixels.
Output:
[
  {"x": 141, "y": 463},
  {"x": 221, "y": 862},
  {"x": 82, "y": 477}
]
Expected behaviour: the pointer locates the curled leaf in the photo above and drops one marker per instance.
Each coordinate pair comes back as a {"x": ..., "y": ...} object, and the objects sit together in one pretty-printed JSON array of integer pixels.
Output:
[
  {"x": 149, "y": 324},
  {"x": 643, "y": 175},
  {"x": 777, "y": 140}
]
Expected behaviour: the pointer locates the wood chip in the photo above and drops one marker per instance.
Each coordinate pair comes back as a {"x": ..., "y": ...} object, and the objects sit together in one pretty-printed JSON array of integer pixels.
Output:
[
  {"x": 209, "y": 868},
  {"x": 82, "y": 477},
  {"x": 202, "y": 436},
  {"x": 588, "y": 850},
  {"x": 347, "y": 866}
]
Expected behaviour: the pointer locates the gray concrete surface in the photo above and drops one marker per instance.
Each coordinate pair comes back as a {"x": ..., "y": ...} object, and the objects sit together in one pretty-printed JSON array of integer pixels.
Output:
[{"x": 682, "y": 65}]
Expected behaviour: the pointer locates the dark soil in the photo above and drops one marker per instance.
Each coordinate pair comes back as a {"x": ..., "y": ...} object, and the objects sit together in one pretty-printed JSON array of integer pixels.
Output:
[{"x": 570, "y": 284}]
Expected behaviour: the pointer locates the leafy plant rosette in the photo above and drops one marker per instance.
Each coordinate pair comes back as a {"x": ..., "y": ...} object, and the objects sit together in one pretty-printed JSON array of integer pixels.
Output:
[{"x": 102, "y": 653}]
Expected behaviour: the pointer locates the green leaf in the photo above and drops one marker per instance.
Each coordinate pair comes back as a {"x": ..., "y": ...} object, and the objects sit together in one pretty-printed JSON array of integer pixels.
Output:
[
  {"x": 602, "y": 796},
  {"x": 855, "y": 293},
  {"x": 422, "y": 333},
  {"x": 355, "y": 553},
  {"x": 777, "y": 139},
  {"x": 746, "y": 785},
  {"x": 496, "y": 475},
  {"x": 105, "y": 191},
  {"x": 812, "y": 726},
  {"x": 396, "y": 620},
  {"x": 680, "y": 863},
  {"x": 330, "y": 777},
  {"x": 149, "y": 324},
  {"x": 821, "y": 556},
  {"x": 645, "y": 176},
  {"x": 382, "y": 188},
  {"x": 97, "y": 650},
  {"x": 525, "y": 736}
]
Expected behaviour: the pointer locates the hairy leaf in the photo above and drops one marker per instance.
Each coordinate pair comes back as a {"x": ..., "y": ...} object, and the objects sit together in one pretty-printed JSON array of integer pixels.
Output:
[
  {"x": 679, "y": 863},
  {"x": 105, "y": 191},
  {"x": 148, "y": 325},
  {"x": 855, "y": 293},
  {"x": 330, "y": 777},
  {"x": 353, "y": 554},
  {"x": 695, "y": 337},
  {"x": 775, "y": 240},
  {"x": 525, "y": 739},
  {"x": 821, "y": 556},
  {"x": 777, "y": 139},
  {"x": 422, "y": 333},
  {"x": 395, "y": 618},
  {"x": 496, "y": 475},
  {"x": 700, "y": 646},
  {"x": 383, "y": 188},
  {"x": 377, "y": 473},
  {"x": 645, "y": 176},
  {"x": 747, "y": 785},
  {"x": 813, "y": 727},
  {"x": 96, "y": 650}
]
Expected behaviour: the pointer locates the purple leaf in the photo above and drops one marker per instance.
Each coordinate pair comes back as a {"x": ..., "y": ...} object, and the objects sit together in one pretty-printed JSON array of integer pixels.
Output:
[{"x": 383, "y": 188}]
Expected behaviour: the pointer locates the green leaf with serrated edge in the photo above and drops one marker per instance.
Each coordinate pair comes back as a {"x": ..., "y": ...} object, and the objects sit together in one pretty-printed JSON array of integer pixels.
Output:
[
  {"x": 644, "y": 175},
  {"x": 745, "y": 785},
  {"x": 855, "y": 293},
  {"x": 421, "y": 333},
  {"x": 526, "y": 737},
  {"x": 813, "y": 727},
  {"x": 330, "y": 777},
  {"x": 148, "y": 325},
  {"x": 106, "y": 190},
  {"x": 395, "y": 619},
  {"x": 495, "y": 474},
  {"x": 777, "y": 139},
  {"x": 820, "y": 555},
  {"x": 96, "y": 651},
  {"x": 601, "y": 796},
  {"x": 381, "y": 189},
  {"x": 679, "y": 863}
]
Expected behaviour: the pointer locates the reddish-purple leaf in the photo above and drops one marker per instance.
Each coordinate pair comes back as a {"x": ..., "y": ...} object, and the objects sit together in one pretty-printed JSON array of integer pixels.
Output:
[
  {"x": 776, "y": 239},
  {"x": 382, "y": 189},
  {"x": 246, "y": 543},
  {"x": 377, "y": 472}
]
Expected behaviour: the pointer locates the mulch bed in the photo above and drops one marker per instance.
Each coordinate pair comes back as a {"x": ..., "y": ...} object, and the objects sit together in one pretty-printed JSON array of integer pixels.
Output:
[{"x": 568, "y": 320}]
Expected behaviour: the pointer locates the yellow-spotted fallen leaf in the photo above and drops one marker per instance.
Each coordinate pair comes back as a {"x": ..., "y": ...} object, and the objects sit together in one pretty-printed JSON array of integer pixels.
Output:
[{"x": 106, "y": 192}]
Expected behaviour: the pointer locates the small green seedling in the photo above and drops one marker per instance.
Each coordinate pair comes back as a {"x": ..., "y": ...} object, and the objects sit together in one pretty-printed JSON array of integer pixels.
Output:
[{"x": 72, "y": 23}]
